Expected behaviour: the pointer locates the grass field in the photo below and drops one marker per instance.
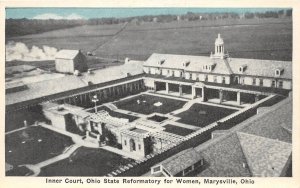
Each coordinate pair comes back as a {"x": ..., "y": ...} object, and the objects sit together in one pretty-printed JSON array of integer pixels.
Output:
[
  {"x": 146, "y": 105},
  {"x": 86, "y": 162},
  {"x": 201, "y": 115},
  {"x": 177, "y": 130},
  {"x": 15, "y": 119},
  {"x": 34, "y": 145},
  {"x": 253, "y": 38}
]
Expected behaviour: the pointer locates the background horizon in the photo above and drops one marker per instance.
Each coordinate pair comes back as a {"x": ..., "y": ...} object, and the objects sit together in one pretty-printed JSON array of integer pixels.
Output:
[{"x": 89, "y": 13}]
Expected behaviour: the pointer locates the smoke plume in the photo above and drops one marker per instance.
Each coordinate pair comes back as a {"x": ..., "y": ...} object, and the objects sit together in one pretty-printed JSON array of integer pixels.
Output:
[{"x": 19, "y": 51}]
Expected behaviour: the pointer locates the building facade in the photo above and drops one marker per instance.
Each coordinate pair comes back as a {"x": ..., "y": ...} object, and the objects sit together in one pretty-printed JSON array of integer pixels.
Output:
[
  {"x": 219, "y": 68},
  {"x": 67, "y": 61}
]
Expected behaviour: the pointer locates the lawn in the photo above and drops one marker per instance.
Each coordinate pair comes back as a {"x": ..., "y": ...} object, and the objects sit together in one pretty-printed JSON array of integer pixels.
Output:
[
  {"x": 115, "y": 114},
  {"x": 177, "y": 130},
  {"x": 15, "y": 119},
  {"x": 86, "y": 162},
  {"x": 34, "y": 145},
  {"x": 144, "y": 104},
  {"x": 19, "y": 171},
  {"x": 244, "y": 38},
  {"x": 201, "y": 115}
]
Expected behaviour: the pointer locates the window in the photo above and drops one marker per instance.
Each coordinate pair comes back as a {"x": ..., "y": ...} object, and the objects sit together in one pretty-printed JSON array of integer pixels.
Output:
[
  {"x": 187, "y": 170},
  {"x": 156, "y": 169},
  {"x": 181, "y": 74},
  {"x": 139, "y": 146},
  {"x": 241, "y": 80},
  {"x": 215, "y": 79},
  {"x": 236, "y": 79},
  {"x": 167, "y": 173},
  {"x": 223, "y": 80},
  {"x": 206, "y": 78},
  {"x": 125, "y": 143},
  {"x": 280, "y": 83},
  {"x": 273, "y": 83},
  {"x": 132, "y": 145},
  {"x": 261, "y": 82},
  {"x": 254, "y": 81}
]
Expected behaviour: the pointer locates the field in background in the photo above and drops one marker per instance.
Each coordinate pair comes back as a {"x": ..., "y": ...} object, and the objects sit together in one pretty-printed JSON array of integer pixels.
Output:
[{"x": 244, "y": 38}]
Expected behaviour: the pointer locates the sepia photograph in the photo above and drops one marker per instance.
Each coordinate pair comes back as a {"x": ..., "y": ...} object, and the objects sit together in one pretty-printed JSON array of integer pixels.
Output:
[{"x": 148, "y": 92}]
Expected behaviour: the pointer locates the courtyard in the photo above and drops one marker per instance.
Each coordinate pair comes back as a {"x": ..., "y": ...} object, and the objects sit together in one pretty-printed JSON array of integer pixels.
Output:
[
  {"x": 148, "y": 104},
  {"x": 86, "y": 162},
  {"x": 177, "y": 130},
  {"x": 33, "y": 145},
  {"x": 201, "y": 115}
]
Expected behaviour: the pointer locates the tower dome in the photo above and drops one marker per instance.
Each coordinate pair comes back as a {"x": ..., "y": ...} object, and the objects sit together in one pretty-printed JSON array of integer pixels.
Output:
[
  {"x": 219, "y": 48},
  {"x": 219, "y": 40}
]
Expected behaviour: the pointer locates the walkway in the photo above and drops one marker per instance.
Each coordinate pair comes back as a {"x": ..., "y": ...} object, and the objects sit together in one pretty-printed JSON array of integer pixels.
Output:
[
  {"x": 183, "y": 125},
  {"x": 66, "y": 153},
  {"x": 167, "y": 96}
]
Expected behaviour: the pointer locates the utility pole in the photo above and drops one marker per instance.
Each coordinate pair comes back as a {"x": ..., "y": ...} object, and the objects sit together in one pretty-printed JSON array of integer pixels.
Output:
[{"x": 95, "y": 100}]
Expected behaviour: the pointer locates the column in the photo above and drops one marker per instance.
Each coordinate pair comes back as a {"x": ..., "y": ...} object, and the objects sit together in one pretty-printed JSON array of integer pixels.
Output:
[
  {"x": 74, "y": 100},
  {"x": 256, "y": 97},
  {"x": 193, "y": 92},
  {"x": 81, "y": 99},
  {"x": 180, "y": 90},
  {"x": 221, "y": 95},
  {"x": 238, "y": 98},
  {"x": 154, "y": 87},
  {"x": 167, "y": 87},
  {"x": 203, "y": 95}
]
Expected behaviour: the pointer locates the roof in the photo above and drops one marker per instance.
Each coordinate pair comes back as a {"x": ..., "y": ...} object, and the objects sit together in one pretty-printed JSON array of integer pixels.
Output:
[
  {"x": 265, "y": 157},
  {"x": 225, "y": 157},
  {"x": 114, "y": 72},
  {"x": 196, "y": 63},
  {"x": 10, "y": 85},
  {"x": 181, "y": 161},
  {"x": 257, "y": 67},
  {"x": 219, "y": 40},
  {"x": 70, "y": 82},
  {"x": 18, "y": 69},
  {"x": 260, "y": 142},
  {"x": 254, "y": 67},
  {"x": 45, "y": 88},
  {"x": 67, "y": 54}
]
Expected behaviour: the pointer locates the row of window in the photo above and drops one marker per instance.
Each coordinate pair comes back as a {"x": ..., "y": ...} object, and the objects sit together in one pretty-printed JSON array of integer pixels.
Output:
[
  {"x": 274, "y": 83},
  {"x": 238, "y": 80},
  {"x": 132, "y": 145}
]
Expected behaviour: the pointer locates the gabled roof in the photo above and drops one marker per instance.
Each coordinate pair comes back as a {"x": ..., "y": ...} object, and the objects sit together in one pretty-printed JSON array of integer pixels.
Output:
[
  {"x": 181, "y": 161},
  {"x": 67, "y": 54},
  {"x": 227, "y": 154},
  {"x": 265, "y": 157},
  {"x": 254, "y": 67},
  {"x": 257, "y": 67},
  {"x": 196, "y": 63}
]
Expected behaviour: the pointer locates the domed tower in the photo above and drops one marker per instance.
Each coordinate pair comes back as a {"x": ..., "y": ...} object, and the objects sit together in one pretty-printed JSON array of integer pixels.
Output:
[{"x": 219, "y": 47}]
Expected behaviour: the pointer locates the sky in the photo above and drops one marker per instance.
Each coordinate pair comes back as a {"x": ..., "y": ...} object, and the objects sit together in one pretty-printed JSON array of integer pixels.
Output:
[{"x": 87, "y": 13}]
